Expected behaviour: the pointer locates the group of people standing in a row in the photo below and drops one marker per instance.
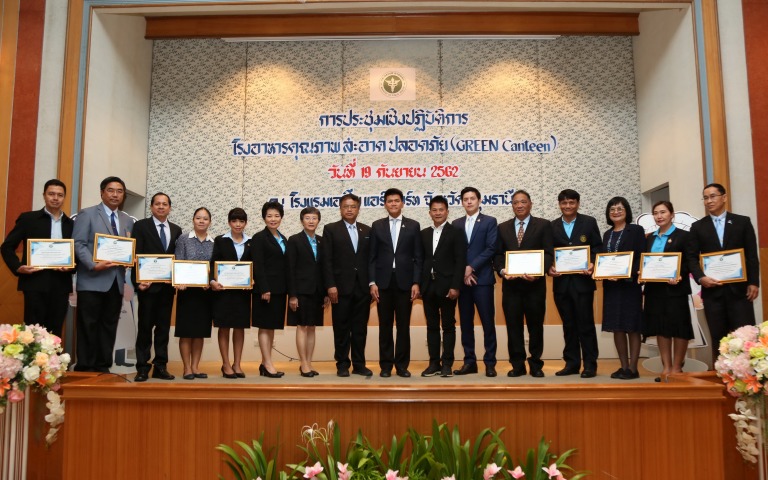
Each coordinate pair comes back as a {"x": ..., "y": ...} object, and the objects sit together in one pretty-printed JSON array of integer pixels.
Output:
[{"x": 392, "y": 262}]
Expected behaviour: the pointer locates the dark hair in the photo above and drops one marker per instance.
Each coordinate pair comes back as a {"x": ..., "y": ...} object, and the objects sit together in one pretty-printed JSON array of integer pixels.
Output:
[
  {"x": 666, "y": 203},
  {"x": 350, "y": 196},
  {"x": 469, "y": 190},
  {"x": 237, "y": 214},
  {"x": 109, "y": 180},
  {"x": 624, "y": 203},
  {"x": 309, "y": 211},
  {"x": 521, "y": 192},
  {"x": 394, "y": 191},
  {"x": 569, "y": 194},
  {"x": 439, "y": 199},
  {"x": 272, "y": 206},
  {"x": 55, "y": 182},
  {"x": 719, "y": 188},
  {"x": 206, "y": 211},
  {"x": 152, "y": 202}
]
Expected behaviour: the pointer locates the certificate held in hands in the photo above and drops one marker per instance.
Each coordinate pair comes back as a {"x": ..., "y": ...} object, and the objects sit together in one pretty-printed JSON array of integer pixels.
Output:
[
  {"x": 726, "y": 266},
  {"x": 154, "y": 268},
  {"x": 571, "y": 259},
  {"x": 51, "y": 253},
  {"x": 660, "y": 267},
  {"x": 613, "y": 265},
  {"x": 110, "y": 248},
  {"x": 234, "y": 274},
  {"x": 524, "y": 262},
  {"x": 190, "y": 273}
]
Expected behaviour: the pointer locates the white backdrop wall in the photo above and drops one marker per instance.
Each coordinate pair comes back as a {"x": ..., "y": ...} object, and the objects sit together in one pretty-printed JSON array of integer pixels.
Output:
[{"x": 207, "y": 92}]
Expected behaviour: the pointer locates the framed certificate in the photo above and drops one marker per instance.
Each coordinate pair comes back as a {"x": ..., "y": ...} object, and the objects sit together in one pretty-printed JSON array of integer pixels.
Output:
[
  {"x": 51, "y": 253},
  {"x": 190, "y": 273},
  {"x": 660, "y": 267},
  {"x": 572, "y": 259},
  {"x": 110, "y": 248},
  {"x": 726, "y": 266},
  {"x": 154, "y": 268},
  {"x": 524, "y": 262},
  {"x": 613, "y": 265},
  {"x": 234, "y": 274}
]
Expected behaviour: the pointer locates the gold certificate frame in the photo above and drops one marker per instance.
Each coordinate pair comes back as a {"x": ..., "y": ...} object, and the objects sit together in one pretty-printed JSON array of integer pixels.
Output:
[
  {"x": 51, "y": 253},
  {"x": 111, "y": 248}
]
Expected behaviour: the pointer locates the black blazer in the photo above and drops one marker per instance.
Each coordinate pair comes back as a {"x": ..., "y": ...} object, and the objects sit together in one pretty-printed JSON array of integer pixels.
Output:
[
  {"x": 447, "y": 263},
  {"x": 36, "y": 224},
  {"x": 677, "y": 242},
  {"x": 344, "y": 268},
  {"x": 738, "y": 233},
  {"x": 270, "y": 265},
  {"x": 408, "y": 258},
  {"x": 305, "y": 273},
  {"x": 224, "y": 251},
  {"x": 148, "y": 242},
  {"x": 538, "y": 236},
  {"x": 585, "y": 232}
]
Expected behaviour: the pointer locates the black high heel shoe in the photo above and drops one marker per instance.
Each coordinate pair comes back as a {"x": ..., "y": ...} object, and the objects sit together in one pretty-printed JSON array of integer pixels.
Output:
[
  {"x": 227, "y": 375},
  {"x": 238, "y": 374},
  {"x": 308, "y": 374},
  {"x": 263, "y": 372}
]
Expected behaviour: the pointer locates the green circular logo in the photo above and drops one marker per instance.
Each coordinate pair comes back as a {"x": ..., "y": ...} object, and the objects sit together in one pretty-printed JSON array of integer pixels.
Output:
[{"x": 392, "y": 84}]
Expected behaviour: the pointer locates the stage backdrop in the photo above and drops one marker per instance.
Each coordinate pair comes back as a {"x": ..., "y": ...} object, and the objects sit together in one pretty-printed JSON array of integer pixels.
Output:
[{"x": 236, "y": 124}]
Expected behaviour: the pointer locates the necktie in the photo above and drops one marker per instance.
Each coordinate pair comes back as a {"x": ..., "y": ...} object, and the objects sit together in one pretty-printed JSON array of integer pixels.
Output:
[
  {"x": 520, "y": 233},
  {"x": 720, "y": 229},
  {"x": 114, "y": 225},
  {"x": 468, "y": 226},
  {"x": 353, "y": 236},
  {"x": 393, "y": 233},
  {"x": 163, "y": 239}
]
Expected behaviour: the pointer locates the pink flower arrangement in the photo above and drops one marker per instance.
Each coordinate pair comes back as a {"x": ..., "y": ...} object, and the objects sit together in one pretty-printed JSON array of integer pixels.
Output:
[
  {"x": 490, "y": 471},
  {"x": 516, "y": 473},
  {"x": 313, "y": 471}
]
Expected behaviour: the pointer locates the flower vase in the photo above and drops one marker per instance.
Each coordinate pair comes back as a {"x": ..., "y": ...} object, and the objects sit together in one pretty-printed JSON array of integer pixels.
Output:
[
  {"x": 762, "y": 435},
  {"x": 14, "y": 439}
]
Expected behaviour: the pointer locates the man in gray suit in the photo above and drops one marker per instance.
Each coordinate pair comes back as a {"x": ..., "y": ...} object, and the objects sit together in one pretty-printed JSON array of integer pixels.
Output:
[{"x": 99, "y": 284}]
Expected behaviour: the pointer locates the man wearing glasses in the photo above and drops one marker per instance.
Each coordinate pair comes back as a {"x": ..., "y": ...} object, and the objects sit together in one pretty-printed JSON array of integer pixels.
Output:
[{"x": 727, "y": 306}]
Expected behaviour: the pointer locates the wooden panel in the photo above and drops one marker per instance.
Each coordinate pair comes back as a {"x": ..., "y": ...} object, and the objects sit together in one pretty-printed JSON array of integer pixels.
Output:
[
  {"x": 621, "y": 431},
  {"x": 393, "y": 24},
  {"x": 8, "y": 41}
]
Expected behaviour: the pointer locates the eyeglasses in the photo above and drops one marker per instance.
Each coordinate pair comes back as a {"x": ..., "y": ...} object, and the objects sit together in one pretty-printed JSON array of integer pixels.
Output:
[
  {"x": 712, "y": 197},
  {"x": 114, "y": 190},
  {"x": 616, "y": 210}
]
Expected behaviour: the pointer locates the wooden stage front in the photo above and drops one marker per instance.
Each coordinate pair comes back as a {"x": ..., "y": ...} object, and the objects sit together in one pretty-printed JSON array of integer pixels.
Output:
[{"x": 622, "y": 430}]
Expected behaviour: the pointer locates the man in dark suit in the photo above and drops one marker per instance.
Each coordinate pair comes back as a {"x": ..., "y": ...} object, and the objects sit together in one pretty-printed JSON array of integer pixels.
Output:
[
  {"x": 99, "y": 284},
  {"x": 477, "y": 291},
  {"x": 575, "y": 292},
  {"x": 46, "y": 291},
  {"x": 727, "y": 306},
  {"x": 445, "y": 252},
  {"x": 345, "y": 272},
  {"x": 154, "y": 236},
  {"x": 394, "y": 272},
  {"x": 524, "y": 296}
]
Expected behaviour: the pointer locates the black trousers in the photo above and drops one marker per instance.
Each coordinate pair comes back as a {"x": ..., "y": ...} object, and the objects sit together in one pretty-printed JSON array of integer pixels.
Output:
[
  {"x": 154, "y": 320},
  {"x": 726, "y": 312},
  {"x": 47, "y": 309},
  {"x": 394, "y": 308},
  {"x": 577, "y": 312},
  {"x": 350, "y": 328},
  {"x": 440, "y": 311},
  {"x": 529, "y": 305},
  {"x": 97, "y": 317},
  {"x": 482, "y": 297}
]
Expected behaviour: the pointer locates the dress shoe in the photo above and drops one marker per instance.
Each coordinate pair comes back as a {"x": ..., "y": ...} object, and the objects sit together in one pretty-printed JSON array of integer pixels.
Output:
[
  {"x": 123, "y": 364},
  {"x": 490, "y": 371},
  {"x": 618, "y": 373},
  {"x": 431, "y": 371},
  {"x": 162, "y": 374},
  {"x": 403, "y": 373},
  {"x": 516, "y": 372},
  {"x": 342, "y": 372},
  {"x": 266, "y": 373},
  {"x": 446, "y": 371},
  {"x": 630, "y": 375},
  {"x": 315, "y": 372},
  {"x": 141, "y": 377},
  {"x": 227, "y": 375},
  {"x": 537, "y": 373},
  {"x": 588, "y": 374},
  {"x": 567, "y": 371},
  {"x": 364, "y": 371},
  {"x": 200, "y": 375},
  {"x": 657, "y": 379},
  {"x": 189, "y": 376},
  {"x": 238, "y": 374},
  {"x": 386, "y": 373},
  {"x": 308, "y": 374},
  {"x": 466, "y": 369}
]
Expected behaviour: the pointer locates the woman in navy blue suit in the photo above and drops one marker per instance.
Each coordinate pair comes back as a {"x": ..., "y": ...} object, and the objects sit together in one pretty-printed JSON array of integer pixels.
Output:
[{"x": 270, "y": 292}]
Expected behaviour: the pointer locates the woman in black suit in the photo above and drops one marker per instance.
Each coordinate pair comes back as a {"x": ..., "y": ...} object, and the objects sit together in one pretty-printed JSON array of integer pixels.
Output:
[
  {"x": 623, "y": 298},
  {"x": 270, "y": 273},
  {"x": 231, "y": 308},
  {"x": 305, "y": 287},
  {"x": 665, "y": 310}
]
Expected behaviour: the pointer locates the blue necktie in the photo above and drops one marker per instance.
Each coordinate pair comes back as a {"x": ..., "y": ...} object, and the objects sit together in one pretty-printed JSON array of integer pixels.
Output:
[
  {"x": 393, "y": 233},
  {"x": 720, "y": 227},
  {"x": 353, "y": 236},
  {"x": 163, "y": 239},
  {"x": 114, "y": 225}
]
